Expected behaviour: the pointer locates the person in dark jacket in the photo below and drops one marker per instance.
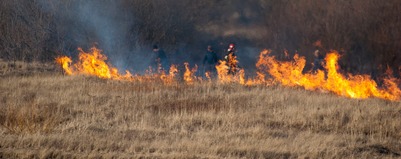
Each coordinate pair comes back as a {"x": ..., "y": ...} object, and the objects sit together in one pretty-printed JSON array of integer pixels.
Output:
[
  {"x": 210, "y": 60},
  {"x": 318, "y": 62},
  {"x": 160, "y": 59}
]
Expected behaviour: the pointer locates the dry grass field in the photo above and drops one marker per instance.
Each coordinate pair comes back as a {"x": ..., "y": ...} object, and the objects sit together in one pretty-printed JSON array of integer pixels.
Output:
[{"x": 48, "y": 115}]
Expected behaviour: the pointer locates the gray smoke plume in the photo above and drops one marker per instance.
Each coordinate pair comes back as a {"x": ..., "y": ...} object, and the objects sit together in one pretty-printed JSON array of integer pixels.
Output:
[{"x": 101, "y": 23}]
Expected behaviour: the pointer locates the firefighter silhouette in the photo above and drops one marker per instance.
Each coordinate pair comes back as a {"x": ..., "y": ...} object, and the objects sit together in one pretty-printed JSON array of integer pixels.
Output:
[
  {"x": 231, "y": 59},
  {"x": 210, "y": 60}
]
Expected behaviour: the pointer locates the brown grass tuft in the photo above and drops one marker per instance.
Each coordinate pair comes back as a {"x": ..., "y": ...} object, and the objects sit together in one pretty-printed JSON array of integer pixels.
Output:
[{"x": 30, "y": 118}]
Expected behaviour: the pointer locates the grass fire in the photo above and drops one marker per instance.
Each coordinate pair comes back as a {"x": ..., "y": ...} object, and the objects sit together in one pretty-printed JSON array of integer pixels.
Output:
[
  {"x": 200, "y": 79},
  {"x": 285, "y": 73}
]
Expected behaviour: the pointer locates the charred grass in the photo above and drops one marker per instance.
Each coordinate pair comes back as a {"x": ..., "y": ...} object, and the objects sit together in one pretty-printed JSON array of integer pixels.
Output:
[{"x": 56, "y": 116}]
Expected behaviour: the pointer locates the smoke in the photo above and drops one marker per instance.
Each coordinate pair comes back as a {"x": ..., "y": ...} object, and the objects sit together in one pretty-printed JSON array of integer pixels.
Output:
[
  {"x": 126, "y": 30},
  {"x": 113, "y": 28},
  {"x": 104, "y": 24},
  {"x": 110, "y": 25}
]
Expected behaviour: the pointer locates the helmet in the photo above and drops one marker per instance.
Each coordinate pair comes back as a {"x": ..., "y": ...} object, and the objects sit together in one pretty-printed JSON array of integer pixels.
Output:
[{"x": 231, "y": 47}]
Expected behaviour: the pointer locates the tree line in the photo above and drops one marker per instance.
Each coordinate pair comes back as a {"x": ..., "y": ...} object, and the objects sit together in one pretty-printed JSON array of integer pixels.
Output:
[{"x": 367, "y": 32}]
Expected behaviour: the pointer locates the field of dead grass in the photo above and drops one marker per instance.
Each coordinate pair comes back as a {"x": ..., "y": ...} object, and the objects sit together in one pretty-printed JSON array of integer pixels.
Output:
[{"x": 48, "y": 115}]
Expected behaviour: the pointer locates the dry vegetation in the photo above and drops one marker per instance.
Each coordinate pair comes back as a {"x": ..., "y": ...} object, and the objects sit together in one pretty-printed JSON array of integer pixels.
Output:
[
  {"x": 44, "y": 114},
  {"x": 48, "y": 115}
]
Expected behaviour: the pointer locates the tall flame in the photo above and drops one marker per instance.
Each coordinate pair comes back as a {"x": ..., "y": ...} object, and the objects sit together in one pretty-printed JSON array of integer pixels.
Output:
[
  {"x": 222, "y": 72},
  {"x": 357, "y": 86},
  {"x": 91, "y": 63},
  {"x": 189, "y": 74},
  {"x": 353, "y": 86},
  {"x": 171, "y": 77},
  {"x": 65, "y": 62}
]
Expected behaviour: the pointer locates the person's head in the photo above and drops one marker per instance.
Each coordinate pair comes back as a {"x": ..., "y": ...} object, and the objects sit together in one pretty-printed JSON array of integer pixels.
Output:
[
  {"x": 209, "y": 48},
  {"x": 155, "y": 48}
]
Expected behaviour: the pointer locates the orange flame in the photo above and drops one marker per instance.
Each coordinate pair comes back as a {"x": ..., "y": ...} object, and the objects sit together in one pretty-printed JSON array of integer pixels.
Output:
[
  {"x": 171, "y": 77},
  {"x": 230, "y": 73},
  {"x": 65, "y": 62},
  {"x": 355, "y": 86},
  {"x": 189, "y": 75},
  {"x": 232, "y": 64},
  {"x": 222, "y": 72},
  {"x": 92, "y": 63},
  {"x": 270, "y": 71}
]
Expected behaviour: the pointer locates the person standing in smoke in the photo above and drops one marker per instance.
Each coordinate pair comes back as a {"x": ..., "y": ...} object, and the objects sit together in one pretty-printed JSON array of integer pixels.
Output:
[
  {"x": 160, "y": 59},
  {"x": 231, "y": 59},
  {"x": 318, "y": 62},
  {"x": 210, "y": 60}
]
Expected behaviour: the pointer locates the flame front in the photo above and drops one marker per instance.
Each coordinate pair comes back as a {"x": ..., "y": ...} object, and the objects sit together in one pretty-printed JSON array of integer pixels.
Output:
[
  {"x": 92, "y": 63},
  {"x": 357, "y": 86},
  {"x": 353, "y": 86},
  {"x": 289, "y": 73},
  {"x": 270, "y": 72}
]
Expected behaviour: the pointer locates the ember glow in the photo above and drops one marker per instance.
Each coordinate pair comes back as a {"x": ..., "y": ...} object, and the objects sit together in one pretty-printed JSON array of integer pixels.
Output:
[{"x": 270, "y": 72}]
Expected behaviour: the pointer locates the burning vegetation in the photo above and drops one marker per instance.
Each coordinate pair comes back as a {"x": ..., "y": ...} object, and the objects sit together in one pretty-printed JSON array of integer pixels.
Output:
[
  {"x": 270, "y": 72},
  {"x": 91, "y": 63}
]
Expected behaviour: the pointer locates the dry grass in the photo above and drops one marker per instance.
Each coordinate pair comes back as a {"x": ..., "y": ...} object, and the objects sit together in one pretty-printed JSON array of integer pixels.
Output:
[
  {"x": 55, "y": 116},
  {"x": 19, "y": 68}
]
